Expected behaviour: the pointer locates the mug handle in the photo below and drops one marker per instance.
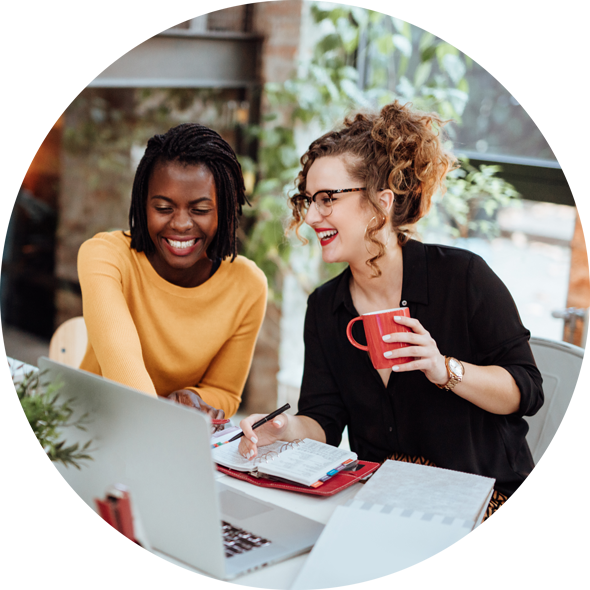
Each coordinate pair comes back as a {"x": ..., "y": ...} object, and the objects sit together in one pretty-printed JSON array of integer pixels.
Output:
[{"x": 349, "y": 334}]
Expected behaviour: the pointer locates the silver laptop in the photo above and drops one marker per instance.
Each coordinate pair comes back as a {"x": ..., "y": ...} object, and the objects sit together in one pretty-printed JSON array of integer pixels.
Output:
[{"x": 162, "y": 452}]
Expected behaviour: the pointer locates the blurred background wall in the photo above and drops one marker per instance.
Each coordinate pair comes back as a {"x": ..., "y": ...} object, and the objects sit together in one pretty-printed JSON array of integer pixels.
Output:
[{"x": 269, "y": 77}]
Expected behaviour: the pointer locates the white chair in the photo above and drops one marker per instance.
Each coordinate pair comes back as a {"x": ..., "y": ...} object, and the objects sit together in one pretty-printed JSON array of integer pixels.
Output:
[{"x": 559, "y": 364}]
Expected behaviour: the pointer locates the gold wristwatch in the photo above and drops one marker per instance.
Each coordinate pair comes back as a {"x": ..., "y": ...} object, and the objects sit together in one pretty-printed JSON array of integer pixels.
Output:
[{"x": 456, "y": 370}]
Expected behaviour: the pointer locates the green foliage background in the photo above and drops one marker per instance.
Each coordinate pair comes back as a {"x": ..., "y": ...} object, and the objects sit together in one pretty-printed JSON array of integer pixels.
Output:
[{"x": 362, "y": 60}]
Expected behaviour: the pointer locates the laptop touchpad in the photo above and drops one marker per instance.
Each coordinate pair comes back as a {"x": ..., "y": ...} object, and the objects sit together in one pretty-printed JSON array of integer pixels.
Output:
[{"x": 241, "y": 507}]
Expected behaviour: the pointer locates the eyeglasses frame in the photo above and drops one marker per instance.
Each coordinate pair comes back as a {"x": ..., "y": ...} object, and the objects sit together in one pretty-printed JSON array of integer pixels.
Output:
[{"x": 329, "y": 193}]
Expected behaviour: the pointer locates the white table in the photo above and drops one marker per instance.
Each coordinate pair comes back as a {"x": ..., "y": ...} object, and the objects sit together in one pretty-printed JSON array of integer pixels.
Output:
[{"x": 171, "y": 574}]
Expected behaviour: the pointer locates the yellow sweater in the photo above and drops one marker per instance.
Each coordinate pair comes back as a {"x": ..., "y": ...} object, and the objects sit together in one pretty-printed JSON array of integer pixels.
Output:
[{"x": 158, "y": 337}]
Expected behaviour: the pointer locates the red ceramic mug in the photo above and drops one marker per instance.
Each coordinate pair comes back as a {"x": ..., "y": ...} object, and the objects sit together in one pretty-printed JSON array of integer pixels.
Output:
[{"x": 377, "y": 324}]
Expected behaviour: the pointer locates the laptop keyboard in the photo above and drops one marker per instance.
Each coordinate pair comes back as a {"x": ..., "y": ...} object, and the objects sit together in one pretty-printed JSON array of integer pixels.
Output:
[{"x": 236, "y": 540}]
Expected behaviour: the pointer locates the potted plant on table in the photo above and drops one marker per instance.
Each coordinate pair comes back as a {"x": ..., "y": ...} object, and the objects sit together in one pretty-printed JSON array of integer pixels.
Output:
[{"x": 47, "y": 415}]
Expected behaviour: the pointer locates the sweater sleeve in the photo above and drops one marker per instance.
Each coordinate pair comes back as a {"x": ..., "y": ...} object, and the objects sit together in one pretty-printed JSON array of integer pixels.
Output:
[
  {"x": 224, "y": 379},
  {"x": 112, "y": 333}
]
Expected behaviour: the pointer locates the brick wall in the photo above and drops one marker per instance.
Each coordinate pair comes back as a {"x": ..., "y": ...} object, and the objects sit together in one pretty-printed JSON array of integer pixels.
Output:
[{"x": 280, "y": 23}]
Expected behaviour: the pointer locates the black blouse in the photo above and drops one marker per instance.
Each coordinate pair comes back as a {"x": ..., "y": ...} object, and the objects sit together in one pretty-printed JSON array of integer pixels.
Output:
[{"x": 471, "y": 316}]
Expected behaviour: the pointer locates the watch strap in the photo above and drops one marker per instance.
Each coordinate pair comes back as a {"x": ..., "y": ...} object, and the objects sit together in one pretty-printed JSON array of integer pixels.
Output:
[{"x": 453, "y": 378}]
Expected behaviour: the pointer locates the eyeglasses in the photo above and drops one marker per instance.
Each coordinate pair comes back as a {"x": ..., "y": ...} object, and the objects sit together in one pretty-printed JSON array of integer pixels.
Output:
[{"x": 323, "y": 200}]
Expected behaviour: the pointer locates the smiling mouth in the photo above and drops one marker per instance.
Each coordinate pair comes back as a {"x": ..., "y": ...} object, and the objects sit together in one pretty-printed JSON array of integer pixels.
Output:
[
  {"x": 181, "y": 245},
  {"x": 327, "y": 236}
]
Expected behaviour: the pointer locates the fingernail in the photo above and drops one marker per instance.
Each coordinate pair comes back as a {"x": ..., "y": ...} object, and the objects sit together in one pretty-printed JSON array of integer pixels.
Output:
[
  {"x": 397, "y": 318},
  {"x": 254, "y": 439},
  {"x": 388, "y": 354},
  {"x": 278, "y": 423},
  {"x": 396, "y": 368},
  {"x": 387, "y": 338},
  {"x": 251, "y": 454}
]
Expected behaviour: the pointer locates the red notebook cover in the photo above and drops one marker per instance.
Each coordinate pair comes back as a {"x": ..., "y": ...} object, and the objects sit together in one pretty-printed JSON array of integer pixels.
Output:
[{"x": 335, "y": 484}]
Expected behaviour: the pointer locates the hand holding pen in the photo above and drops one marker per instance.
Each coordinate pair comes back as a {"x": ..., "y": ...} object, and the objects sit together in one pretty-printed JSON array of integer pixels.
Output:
[{"x": 269, "y": 428}]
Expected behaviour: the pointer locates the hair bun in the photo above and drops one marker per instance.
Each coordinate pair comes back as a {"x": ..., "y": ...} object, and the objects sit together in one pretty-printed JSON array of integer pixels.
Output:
[{"x": 393, "y": 112}]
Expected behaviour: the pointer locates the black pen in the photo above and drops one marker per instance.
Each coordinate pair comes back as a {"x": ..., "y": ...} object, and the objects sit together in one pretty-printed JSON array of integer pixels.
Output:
[{"x": 263, "y": 421}]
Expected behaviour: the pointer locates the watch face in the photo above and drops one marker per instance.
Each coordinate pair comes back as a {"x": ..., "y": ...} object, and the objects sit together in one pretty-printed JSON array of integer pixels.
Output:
[{"x": 455, "y": 366}]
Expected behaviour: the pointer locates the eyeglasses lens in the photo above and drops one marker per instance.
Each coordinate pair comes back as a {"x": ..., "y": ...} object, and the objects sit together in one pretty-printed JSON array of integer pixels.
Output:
[{"x": 323, "y": 202}]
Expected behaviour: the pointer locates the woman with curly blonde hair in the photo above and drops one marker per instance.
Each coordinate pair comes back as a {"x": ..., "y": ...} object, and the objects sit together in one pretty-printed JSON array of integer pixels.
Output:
[{"x": 460, "y": 402}]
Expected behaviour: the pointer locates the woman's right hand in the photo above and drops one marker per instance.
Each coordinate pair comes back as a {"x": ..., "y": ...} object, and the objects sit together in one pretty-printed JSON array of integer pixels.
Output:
[
  {"x": 186, "y": 397},
  {"x": 263, "y": 435}
]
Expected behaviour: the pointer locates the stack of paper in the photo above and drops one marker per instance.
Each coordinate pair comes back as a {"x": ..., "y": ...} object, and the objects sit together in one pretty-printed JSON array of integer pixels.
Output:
[
  {"x": 405, "y": 513},
  {"x": 429, "y": 489}
]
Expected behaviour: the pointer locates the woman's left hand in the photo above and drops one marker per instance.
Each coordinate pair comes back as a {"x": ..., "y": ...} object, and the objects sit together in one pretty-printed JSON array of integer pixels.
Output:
[
  {"x": 428, "y": 359},
  {"x": 186, "y": 397}
]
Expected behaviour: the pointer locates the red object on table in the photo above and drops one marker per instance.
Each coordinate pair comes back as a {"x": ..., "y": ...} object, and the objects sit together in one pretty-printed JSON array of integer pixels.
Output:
[
  {"x": 116, "y": 510},
  {"x": 107, "y": 511}
]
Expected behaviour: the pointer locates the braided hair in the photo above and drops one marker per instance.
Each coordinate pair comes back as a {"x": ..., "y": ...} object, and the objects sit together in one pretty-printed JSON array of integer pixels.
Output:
[{"x": 192, "y": 144}]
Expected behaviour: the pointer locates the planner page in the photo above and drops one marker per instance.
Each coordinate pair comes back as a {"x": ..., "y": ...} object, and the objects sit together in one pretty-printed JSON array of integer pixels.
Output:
[
  {"x": 306, "y": 463},
  {"x": 228, "y": 455}
]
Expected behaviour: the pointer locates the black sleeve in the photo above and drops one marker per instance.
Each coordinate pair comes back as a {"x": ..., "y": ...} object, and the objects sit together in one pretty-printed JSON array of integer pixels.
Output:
[
  {"x": 498, "y": 336},
  {"x": 320, "y": 398}
]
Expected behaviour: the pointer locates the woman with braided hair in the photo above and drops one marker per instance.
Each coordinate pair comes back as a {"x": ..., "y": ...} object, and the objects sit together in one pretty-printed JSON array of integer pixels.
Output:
[
  {"x": 459, "y": 403},
  {"x": 170, "y": 308}
]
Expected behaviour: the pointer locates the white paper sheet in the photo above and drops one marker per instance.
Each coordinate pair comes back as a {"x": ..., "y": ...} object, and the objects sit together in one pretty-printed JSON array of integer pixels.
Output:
[
  {"x": 428, "y": 489},
  {"x": 360, "y": 544}
]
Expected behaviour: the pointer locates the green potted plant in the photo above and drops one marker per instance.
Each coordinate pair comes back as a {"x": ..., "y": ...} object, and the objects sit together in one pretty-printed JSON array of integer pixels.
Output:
[{"x": 47, "y": 414}]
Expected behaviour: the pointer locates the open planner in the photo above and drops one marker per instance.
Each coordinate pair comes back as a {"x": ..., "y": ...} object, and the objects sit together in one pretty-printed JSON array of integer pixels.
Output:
[{"x": 306, "y": 462}]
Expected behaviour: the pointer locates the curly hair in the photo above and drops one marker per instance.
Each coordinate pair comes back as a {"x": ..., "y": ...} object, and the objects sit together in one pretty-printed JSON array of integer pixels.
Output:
[
  {"x": 192, "y": 144},
  {"x": 400, "y": 148}
]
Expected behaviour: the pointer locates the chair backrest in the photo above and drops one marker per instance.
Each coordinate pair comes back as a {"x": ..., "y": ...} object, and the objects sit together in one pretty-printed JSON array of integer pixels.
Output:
[
  {"x": 68, "y": 343},
  {"x": 559, "y": 364}
]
